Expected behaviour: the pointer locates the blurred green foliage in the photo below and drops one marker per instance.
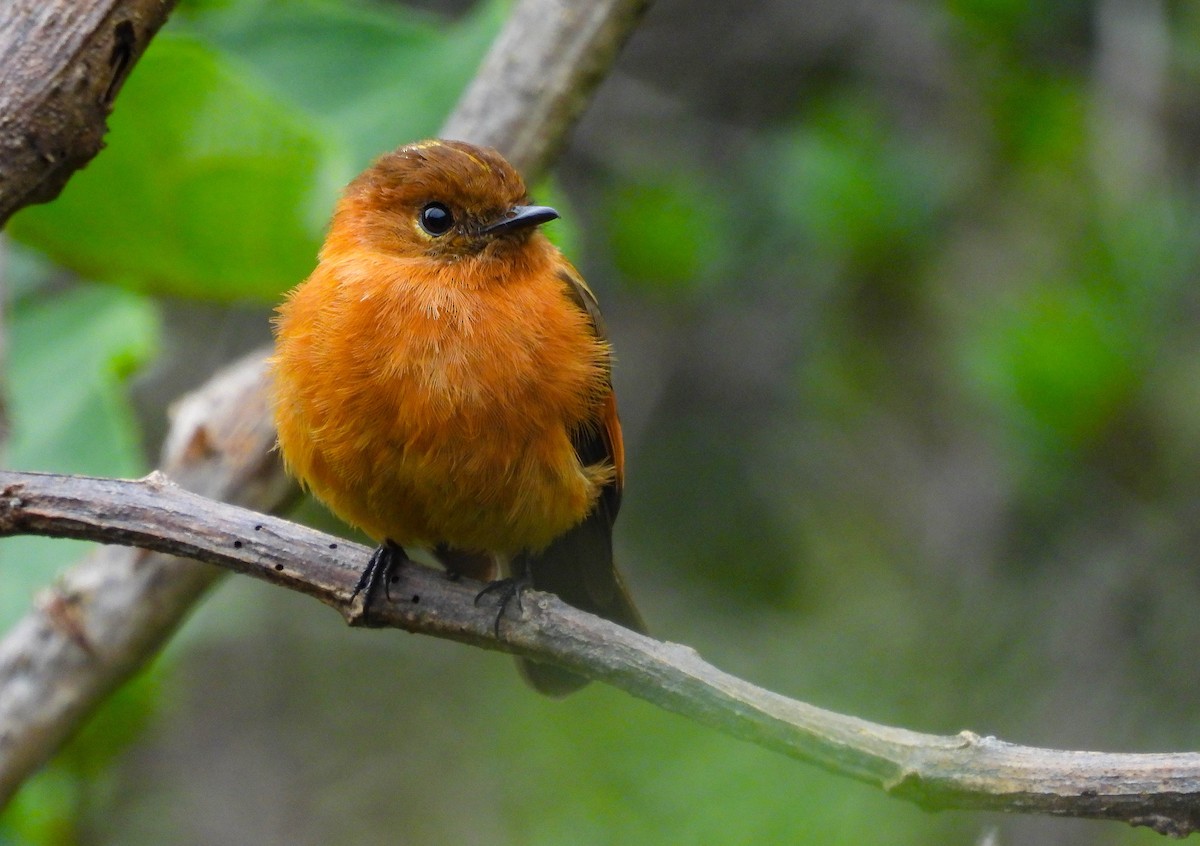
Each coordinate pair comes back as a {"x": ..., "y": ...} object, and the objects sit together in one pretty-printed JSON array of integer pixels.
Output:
[
  {"x": 71, "y": 353},
  {"x": 55, "y": 805},
  {"x": 859, "y": 196},
  {"x": 666, "y": 234},
  {"x": 907, "y": 352}
]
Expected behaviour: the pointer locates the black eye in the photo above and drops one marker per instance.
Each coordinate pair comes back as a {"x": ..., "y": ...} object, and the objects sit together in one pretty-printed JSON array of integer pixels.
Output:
[{"x": 435, "y": 219}]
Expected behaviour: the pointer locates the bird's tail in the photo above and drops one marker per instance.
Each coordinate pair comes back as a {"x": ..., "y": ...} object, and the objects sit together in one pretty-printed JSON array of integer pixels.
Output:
[{"x": 577, "y": 567}]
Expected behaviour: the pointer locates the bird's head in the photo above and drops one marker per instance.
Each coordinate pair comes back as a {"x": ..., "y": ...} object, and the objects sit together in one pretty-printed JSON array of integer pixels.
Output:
[{"x": 440, "y": 199}]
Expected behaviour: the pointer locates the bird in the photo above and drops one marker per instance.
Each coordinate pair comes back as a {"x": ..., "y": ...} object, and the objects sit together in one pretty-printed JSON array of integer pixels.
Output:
[{"x": 443, "y": 380}]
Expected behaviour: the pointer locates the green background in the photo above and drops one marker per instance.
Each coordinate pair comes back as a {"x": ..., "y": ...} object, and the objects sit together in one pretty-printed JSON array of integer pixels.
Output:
[{"x": 905, "y": 305}]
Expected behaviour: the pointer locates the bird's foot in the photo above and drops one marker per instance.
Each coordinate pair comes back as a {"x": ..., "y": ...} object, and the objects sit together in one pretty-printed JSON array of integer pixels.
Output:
[
  {"x": 506, "y": 590},
  {"x": 381, "y": 569}
]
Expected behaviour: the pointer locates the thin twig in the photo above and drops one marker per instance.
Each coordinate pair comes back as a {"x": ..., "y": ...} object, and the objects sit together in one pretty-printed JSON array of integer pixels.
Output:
[{"x": 961, "y": 771}]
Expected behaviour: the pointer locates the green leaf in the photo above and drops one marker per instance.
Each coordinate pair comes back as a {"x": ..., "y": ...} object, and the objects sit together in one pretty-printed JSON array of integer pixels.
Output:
[
  {"x": 206, "y": 188},
  {"x": 69, "y": 359},
  {"x": 373, "y": 76},
  {"x": 68, "y": 362},
  {"x": 231, "y": 139}
]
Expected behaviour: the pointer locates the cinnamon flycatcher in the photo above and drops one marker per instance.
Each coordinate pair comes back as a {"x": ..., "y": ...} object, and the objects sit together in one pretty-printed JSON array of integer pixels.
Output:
[{"x": 442, "y": 380}]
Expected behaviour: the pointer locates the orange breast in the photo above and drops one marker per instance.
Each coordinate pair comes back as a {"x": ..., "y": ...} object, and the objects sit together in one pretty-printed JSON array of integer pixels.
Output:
[{"x": 429, "y": 408}]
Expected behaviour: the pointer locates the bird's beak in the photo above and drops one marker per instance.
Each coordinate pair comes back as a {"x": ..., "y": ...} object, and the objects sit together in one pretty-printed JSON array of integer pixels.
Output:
[{"x": 520, "y": 217}]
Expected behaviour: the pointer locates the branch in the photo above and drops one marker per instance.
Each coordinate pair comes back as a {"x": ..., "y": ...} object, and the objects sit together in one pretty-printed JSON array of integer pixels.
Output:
[
  {"x": 547, "y": 61},
  {"x": 131, "y": 601},
  {"x": 963, "y": 771},
  {"x": 64, "y": 63}
]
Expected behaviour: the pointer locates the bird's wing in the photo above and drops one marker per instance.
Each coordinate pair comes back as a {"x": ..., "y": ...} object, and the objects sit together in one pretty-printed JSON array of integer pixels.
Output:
[
  {"x": 578, "y": 565},
  {"x": 609, "y": 446}
]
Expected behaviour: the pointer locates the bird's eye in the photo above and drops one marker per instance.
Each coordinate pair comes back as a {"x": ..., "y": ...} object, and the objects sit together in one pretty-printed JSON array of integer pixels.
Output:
[{"x": 435, "y": 219}]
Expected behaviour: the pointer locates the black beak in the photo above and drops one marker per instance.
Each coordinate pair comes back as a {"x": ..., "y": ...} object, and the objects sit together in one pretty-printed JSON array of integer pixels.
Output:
[{"x": 520, "y": 217}]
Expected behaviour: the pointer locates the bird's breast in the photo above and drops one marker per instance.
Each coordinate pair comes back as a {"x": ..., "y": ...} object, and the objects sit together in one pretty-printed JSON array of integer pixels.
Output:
[{"x": 440, "y": 412}]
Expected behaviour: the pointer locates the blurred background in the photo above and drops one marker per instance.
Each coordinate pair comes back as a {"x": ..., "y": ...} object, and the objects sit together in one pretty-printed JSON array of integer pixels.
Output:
[{"x": 904, "y": 298}]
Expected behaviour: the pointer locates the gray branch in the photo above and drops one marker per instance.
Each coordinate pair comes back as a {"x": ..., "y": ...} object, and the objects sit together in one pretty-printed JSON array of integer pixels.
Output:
[
  {"x": 544, "y": 67},
  {"x": 963, "y": 771}
]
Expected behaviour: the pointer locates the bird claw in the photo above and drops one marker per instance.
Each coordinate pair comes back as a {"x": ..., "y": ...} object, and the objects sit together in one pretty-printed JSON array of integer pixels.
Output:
[
  {"x": 381, "y": 566},
  {"x": 507, "y": 590}
]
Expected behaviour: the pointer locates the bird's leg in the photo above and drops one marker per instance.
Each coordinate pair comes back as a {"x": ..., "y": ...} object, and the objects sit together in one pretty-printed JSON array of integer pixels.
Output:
[
  {"x": 380, "y": 568},
  {"x": 507, "y": 590}
]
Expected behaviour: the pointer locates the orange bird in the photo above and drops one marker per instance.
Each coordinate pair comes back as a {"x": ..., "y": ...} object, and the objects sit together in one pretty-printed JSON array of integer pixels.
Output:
[{"x": 442, "y": 380}]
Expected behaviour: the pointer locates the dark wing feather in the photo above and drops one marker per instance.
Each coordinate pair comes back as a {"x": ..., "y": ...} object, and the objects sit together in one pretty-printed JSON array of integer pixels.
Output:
[{"x": 578, "y": 566}]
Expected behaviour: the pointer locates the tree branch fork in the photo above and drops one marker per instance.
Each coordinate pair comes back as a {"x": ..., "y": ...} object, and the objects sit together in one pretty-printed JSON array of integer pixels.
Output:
[{"x": 962, "y": 771}]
